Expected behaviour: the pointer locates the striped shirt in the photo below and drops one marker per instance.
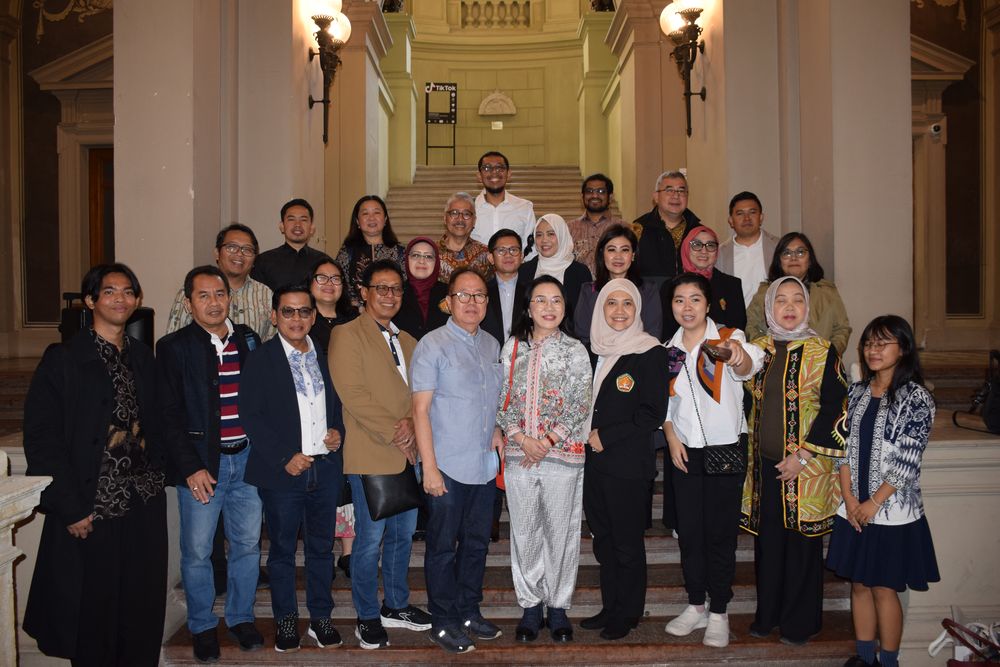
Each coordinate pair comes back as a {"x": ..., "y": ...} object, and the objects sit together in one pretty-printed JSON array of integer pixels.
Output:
[
  {"x": 230, "y": 428},
  {"x": 250, "y": 305}
]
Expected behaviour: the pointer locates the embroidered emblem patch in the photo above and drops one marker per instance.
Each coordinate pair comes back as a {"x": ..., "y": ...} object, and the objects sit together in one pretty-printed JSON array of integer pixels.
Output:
[
  {"x": 625, "y": 383},
  {"x": 722, "y": 304}
]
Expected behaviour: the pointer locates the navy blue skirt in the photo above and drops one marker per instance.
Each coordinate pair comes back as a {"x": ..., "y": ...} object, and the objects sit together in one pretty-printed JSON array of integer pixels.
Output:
[{"x": 897, "y": 557}]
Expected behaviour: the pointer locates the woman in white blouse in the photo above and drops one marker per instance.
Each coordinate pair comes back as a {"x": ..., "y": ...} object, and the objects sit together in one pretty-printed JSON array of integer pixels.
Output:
[{"x": 705, "y": 410}]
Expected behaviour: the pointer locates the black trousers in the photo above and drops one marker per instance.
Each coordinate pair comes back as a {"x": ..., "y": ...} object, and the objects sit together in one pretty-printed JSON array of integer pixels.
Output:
[
  {"x": 125, "y": 589},
  {"x": 708, "y": 509},
  {"x": 789, "y": 569},
  {"x": 617, "y": 512}
]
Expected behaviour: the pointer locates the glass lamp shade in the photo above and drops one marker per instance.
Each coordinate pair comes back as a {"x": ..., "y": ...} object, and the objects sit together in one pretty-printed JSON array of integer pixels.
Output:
[
  {"x": 340, "y": 28},
  {"x": 670, "y": 20},
  {"x": 325, "y": 7}
]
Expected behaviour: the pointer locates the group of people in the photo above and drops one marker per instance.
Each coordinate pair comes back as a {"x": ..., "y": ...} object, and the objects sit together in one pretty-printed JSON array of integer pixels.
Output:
[{"x": 550, "y": 358}]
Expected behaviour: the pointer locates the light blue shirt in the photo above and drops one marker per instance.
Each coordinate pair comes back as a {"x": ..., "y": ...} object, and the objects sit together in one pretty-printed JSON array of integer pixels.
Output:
[{"x": 464, "y": 372}]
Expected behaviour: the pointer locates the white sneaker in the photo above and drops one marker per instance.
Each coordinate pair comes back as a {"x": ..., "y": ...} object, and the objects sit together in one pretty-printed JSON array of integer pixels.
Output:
[
  {"x": 717, "y": 631},
  {"x": 690, "y": 620}
]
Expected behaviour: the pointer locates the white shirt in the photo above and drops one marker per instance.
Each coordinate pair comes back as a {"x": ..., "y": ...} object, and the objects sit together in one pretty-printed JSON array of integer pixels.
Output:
[
  {"x": 506, "y": 289},
  {"x": 391, "y": 337},
  {"x": 218, "y": 343},
  {"x": 513, "y": 213},
  {"x": 310, "y": 392},
  {"x": 750, "y": 266},
  {"x": 723, "y": 421}
]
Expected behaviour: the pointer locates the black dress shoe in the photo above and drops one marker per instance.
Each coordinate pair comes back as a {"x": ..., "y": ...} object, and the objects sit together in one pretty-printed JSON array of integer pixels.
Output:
[
  {"x": 206, "y": 646},
  {"x": 419, "y": 535},
  {"x": 529, "y": 625},
  {"x": 247, "y": 636},
  {"x": 597, "y": 621},
  {"x": 615, "y": 629},
  {"x": 856, "y": 661},
  {"x": 559, "y": 625}
]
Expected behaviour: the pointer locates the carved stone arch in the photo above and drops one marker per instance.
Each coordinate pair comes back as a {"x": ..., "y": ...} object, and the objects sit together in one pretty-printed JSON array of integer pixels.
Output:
[{"x": 497, "y": 104}]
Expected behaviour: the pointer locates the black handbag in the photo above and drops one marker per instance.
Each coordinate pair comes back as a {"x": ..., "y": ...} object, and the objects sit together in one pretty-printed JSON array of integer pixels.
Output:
[
  {"x": 721, "y": 459},
  {"x": 986, "y": 400},
  {"x": 389, "y": 495}
]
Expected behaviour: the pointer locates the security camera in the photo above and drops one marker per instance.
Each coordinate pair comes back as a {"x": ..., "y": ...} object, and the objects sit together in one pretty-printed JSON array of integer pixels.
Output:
[{"x": 936, "y": 129}]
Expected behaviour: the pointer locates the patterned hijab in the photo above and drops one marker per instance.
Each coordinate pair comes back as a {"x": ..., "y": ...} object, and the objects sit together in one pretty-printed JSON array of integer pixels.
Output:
[
  {"x": 556, "y": 265},
  {"x": 422, "y": 286},
  {"x": 778, "y": 332},
  {"x": 686, "y": 251}
]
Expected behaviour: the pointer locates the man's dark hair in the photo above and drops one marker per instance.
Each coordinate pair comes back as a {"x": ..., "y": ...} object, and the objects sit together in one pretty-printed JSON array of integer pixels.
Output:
[
  {"x": 740, "y": 196},
  {"x": 461, "y": 272},
  {"x": 498, "y": 154},
  {"x": 598, "y": 177},
  {"x": 354, "y": 236},
  {"x": 380, "y": 265},
  {"x": 296, "y": 288},
  {"x": 601, "y": 273},
  {"x": 813, "y": 274},
  {"x": 524, "y": 325},
  {"x": 92, "y": 280},
  {"x": 696, "y": 279},
  {"x": 298, "y": 201},
  {"x": 206, "y": 270},
  {"x": 503, "y": 234},
  {"x": 220, "y": 238}
]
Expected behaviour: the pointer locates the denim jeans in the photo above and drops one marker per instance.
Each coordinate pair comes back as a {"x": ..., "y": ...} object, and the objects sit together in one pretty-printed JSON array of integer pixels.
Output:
[
  {"x": 395, "y": 535},
  {"x": 314, "y": 508},
  {"x": 240, "y": 504},
  {"x": 464, "y": 516}
]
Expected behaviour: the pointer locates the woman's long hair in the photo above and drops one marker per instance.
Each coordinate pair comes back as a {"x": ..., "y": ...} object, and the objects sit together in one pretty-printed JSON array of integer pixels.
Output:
[
  {"x": 908, "y": 367},
  {"x": 343, "y": 305},
  {"x": 524, "y": 325},
  {"x": 813, "y": 274},
  {"x": 356, "y": 239},
  {"x": 601, "y": 273}
]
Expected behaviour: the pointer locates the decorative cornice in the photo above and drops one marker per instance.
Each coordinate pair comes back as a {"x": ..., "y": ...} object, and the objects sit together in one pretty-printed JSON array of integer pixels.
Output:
[
  {"x": 60, "y": 73},
  {"x": 940, "y": 63}
]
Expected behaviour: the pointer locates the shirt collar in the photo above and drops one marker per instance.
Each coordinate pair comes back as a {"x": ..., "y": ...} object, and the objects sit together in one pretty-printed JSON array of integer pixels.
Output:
[
  {"x": 482, "y": 198},
  {"x": 756, "y": 244},
  {"x": 287, "y": 347},
  {"x": 711, "y": 333},
  {"x": 506, "y": 283},
  {"x": 462, "y": 334},
  {"x": 216, "y": 341}
]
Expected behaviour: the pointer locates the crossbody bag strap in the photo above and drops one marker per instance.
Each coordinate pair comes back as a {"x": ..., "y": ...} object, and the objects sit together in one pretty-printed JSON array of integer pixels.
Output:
[{"x": 694, "y": 399}]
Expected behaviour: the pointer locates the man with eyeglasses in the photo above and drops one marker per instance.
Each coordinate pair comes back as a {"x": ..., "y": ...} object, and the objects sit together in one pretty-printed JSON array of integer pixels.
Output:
[
  {"x": 498, "y": 209},
  {"x": 198, "y": 389},
  {"x": 369, "y": 360},
  {"x": 457, "y": 249},
  {"x": 455, "y": 378},
  {"x": 663, "y": 229},
  {"x": 506, "y": 292},
  {"x": 293, "y": 416},
  {"x": 289, "y": 263},
  {"x": 586, "y": 230},
  {"x": 235, "y": 251},
  {"x": 748, "y": 253}
]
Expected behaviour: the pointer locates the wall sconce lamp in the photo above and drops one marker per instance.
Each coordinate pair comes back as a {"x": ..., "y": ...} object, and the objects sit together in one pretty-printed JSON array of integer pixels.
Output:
[
  {"x": 680, "y": 24},
  {"x": 334, "y": 31}
]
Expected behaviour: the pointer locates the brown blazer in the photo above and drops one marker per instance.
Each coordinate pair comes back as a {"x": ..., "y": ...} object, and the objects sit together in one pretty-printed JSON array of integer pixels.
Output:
[{"x": 374, "y": 395}]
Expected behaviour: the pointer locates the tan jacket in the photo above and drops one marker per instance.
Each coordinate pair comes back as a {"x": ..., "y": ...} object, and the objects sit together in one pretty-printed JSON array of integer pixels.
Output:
[{"x": 374, "y": 394}]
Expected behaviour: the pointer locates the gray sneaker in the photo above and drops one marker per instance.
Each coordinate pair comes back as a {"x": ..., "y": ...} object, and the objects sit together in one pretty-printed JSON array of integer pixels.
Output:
[
  {"x": 480, "y": 628},
  {"x": 452, "y": 640}
]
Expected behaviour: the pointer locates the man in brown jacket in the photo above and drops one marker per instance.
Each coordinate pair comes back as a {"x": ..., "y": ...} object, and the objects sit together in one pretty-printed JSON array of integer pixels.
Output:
[{"x": 369, "y": 358}]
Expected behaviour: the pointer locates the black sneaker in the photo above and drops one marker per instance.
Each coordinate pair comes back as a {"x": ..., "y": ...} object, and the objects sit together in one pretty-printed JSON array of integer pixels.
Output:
[
  {"x": 409, "y": 617},
  {"x": 286, "y": 639},
  {"x": 452, "y": 640},
  {"x": 206, "y": 646},
  {"x": 323, "y": 632},
  {"x": 247, "y": 636},
  {"x": 480, "y": 628},
  {"x": 371, "y": 634}
]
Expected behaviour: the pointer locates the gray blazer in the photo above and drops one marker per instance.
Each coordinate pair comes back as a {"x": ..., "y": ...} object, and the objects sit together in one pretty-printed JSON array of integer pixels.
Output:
[{"x": 725, "y": 261}]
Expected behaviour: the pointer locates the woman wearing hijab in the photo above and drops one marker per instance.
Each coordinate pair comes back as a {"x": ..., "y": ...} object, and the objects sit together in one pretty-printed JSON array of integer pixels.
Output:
[
  {"x": 705, "y": 414},
  {"x": 791, "y": 491},
  {"x": 699, "y": 253},
  {"x": 629, "y": 404},
  {"x": 555, "y": 258},
  {"x": 420, "y": 310}
]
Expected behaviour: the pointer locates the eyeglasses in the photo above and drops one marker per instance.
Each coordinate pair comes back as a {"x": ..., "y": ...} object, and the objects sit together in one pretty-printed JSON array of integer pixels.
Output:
[
  {"x": 798, "y": 253},
  {"x": 464, "y": 297},
  {"x": 385, "y": 290},
  {"x": 493, "y": 168},
  {"x": 245, "y": 250},
  {"x": 305, "y": 312},
  {"x": 464, "y": 214},
  {"x": 595, "y": 191},
  {"x": 542, "y": 300},
  {"x": 322, "y": 279},
  {"x": 680, "y": 192},
  {"x": 419, "y": 256},
  {"x": 513, "y": 251},
  {"x": 878, "y": 345},
  {"x": 710, "y": 246}
]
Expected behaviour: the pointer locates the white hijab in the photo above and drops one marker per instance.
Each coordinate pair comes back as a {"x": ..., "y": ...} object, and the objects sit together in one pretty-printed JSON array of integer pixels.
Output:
[{"x": 556, "y": 265}]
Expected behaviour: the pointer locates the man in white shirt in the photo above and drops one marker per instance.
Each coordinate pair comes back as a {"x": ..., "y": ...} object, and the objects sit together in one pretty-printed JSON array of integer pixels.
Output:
[
  {"x": 747, "y": 255},
  {"x": 498, "y": 209}
]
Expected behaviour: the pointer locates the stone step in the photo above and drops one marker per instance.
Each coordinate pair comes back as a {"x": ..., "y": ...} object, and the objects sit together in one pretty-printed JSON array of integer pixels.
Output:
[
  {"x": 665, "y": 595},
  {"x": 648, "y": 644}
]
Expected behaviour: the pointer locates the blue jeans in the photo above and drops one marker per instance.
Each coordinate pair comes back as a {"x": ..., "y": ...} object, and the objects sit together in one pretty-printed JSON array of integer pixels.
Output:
[
  {"x": 395, "y": 535},
  {"x": 464, "y": 516},
  {"x": 241, "y": 505},
  {"x": 314, "y": 508}
]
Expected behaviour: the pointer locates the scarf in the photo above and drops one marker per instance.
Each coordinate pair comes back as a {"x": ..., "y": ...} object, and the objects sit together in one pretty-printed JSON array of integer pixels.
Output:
[
  {"x": 422, "y": 286},
  {"x": 556, "y": 265},
  {"x": 778, "y": 332},
  {"x": 686, "y": 251}
]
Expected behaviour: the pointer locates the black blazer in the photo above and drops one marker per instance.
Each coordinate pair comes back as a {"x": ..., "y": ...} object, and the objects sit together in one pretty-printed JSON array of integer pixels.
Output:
[
  {"x": 409, "y": 318},
  {"x": 493, "y": 322},
  {"x": 626, "y": 418},
  {"x": 575, "y": 276},
  {"x": 269, "y": 412},
  {"x": 727, "y": 308},
  {"x": 188, "y": 396},
  {"x": 656, "y": 254}
]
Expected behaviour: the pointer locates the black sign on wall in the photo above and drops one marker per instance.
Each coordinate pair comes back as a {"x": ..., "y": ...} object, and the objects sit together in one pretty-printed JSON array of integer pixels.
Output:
[{"x": 440, "y": 108}]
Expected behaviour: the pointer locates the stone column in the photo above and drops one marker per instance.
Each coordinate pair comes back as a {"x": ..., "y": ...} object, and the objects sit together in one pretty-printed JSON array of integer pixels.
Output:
[
  {"x": 397, "y": 67},
  {"x": 598, "y": 68}
]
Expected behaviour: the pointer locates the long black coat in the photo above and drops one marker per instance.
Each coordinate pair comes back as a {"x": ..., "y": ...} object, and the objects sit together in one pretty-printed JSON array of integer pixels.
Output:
[{"x": 67, "y": 413}]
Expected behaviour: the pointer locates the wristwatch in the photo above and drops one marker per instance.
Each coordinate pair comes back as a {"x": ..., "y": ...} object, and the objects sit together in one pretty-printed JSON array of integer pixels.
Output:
[{"x": 802, "y": 460}]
